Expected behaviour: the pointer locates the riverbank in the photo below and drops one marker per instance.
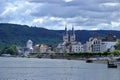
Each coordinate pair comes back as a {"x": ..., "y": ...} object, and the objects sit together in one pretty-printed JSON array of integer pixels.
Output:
[{"x": 94, "y": 58}]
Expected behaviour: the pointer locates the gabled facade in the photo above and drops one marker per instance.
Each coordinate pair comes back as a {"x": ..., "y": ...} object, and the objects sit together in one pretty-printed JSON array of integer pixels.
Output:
[
  {"x": 109, "y": 42},
  {"x": 97, "y": 44}
]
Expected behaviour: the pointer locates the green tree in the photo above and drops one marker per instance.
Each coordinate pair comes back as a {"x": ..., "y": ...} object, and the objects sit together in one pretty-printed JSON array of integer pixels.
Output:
[
  {"x": 115, "y": 53},
  {"x": 9, "y": 50},
  {"x": 117, "y": 45}
]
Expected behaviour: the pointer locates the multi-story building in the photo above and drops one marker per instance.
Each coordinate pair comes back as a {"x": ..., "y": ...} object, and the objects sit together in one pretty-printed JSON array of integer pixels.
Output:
[
  {"x": 43, "y": 48},
  {"x": 77, "y": 47},
  {"x": 87, "y": 47},
  {"x": 109, "y": 42},
  {"x": 98, "y": 44},
  {"x": 93, "y": 45}
]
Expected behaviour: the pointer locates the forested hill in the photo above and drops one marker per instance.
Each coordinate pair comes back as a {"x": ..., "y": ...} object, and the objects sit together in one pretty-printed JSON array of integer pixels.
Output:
[{"x": 19, "y": 34}]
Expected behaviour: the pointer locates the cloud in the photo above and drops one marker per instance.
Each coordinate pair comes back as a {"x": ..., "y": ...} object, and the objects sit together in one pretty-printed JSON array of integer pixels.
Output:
[
  {"x": 68, "y": 0},
  {"x": 111, "y": 4},
  {"x": 38, "y": 20},
  {"x": 55, "y": 14},
  {"x": 115, "y": 24}
]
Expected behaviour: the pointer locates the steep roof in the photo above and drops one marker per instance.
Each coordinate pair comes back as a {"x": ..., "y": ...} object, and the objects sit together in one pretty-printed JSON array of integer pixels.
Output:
[{"x": 109, "y": 37}]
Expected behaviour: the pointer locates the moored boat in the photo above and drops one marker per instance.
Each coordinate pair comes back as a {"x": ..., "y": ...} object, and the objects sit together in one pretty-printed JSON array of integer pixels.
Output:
[
  {"x": 111, "y": 64},
  {"x": 89, "y": 61}
]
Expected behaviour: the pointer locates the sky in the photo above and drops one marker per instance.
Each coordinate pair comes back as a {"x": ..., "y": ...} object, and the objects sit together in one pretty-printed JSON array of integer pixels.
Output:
[{"x": 56, "y": 14}]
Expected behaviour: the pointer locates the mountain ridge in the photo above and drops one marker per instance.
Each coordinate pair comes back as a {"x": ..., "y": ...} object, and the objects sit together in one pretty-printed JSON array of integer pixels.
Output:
[{"x": 19, "y": 34}]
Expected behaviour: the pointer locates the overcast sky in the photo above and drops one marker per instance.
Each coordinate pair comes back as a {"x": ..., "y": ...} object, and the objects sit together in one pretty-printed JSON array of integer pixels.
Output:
[{"x": 55, "y": 14}]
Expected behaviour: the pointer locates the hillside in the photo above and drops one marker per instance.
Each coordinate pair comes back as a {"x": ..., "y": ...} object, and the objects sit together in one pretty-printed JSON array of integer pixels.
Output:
[{"x": 19, "y": 34}]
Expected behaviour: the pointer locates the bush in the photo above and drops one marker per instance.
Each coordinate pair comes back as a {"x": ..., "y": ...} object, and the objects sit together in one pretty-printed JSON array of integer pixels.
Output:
[
  {"x": 115, "y": 53},
  {"x": 117, "y": 46},
  {"x": 9, "y": 50}
]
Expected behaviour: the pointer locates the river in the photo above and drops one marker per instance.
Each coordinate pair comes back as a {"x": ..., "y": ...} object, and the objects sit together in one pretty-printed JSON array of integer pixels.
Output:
[{"x": 54, "y": 69}]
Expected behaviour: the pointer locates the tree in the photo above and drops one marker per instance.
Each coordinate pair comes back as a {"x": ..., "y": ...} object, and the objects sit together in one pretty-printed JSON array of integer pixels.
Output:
[
  {"x": 117, "y": 45},
  {"x": 9, "y": 50},
  {"x": 115, "y": 53}
]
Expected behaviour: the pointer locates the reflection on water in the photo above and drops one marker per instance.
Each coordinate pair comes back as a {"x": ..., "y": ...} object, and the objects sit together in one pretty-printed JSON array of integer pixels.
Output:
[{"x": 54, "y": 69}]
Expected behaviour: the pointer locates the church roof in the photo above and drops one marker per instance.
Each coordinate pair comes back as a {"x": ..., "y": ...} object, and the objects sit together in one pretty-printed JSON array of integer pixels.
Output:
[
  {"x": 29, "y": 40},
  {"x": 109, "y": 37}
]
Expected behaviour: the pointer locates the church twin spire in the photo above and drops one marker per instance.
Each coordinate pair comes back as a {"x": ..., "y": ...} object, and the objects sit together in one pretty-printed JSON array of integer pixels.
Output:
[{"x": 66, "y": 36}]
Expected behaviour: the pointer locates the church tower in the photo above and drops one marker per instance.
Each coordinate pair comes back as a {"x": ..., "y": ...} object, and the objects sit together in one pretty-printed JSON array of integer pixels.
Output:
[
  {"x": 65, "y": 36},
  {"x": 29, "y": 44},
  {"x": 72, "y": 36}
]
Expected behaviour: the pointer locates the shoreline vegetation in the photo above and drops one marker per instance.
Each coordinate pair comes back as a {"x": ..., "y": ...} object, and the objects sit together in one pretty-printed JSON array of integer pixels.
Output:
[{"x": 95, "y": 57}]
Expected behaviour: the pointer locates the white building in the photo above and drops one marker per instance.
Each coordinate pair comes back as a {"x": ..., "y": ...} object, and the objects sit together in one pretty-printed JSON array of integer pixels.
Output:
[
  {"x": 93, "y": 45},
  {"x": 77, "y": 47},
  {"x": 43, "y": 48},
  {"x": 97, "y": 44},
  {"x": 109, "y": 42},
  {"x": 29, "y": 44},
  {"x": 29, "y": 48},
  {"x": 87, "y": 47},
  {"x": 60, "y": 48},
  {"x": 25, "y": 51}
]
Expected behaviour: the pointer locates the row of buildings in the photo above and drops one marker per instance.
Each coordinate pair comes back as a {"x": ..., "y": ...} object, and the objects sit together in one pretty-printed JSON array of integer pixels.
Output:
[
  {"x": 98, "y": 44},
  {"x": 95, "y": 44},
  {"x": 69, "y": 44},
  {"x": 29, "y": 48}
]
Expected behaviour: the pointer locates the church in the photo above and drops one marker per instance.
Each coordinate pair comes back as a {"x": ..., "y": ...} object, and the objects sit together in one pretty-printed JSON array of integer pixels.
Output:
[{"x": 69, "y": 43}]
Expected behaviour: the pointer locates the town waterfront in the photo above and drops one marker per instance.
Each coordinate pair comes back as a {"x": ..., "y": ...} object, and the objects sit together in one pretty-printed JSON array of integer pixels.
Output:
[{"x": 54, "y": 69}]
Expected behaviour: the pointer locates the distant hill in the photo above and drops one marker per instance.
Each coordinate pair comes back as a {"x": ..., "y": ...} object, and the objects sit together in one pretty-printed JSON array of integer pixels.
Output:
[{"x": 19, "y": 34}]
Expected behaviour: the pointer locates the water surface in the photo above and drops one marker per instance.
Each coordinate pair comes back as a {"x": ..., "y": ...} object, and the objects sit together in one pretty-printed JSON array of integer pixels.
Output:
[{"x": 54, "y": 69}]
